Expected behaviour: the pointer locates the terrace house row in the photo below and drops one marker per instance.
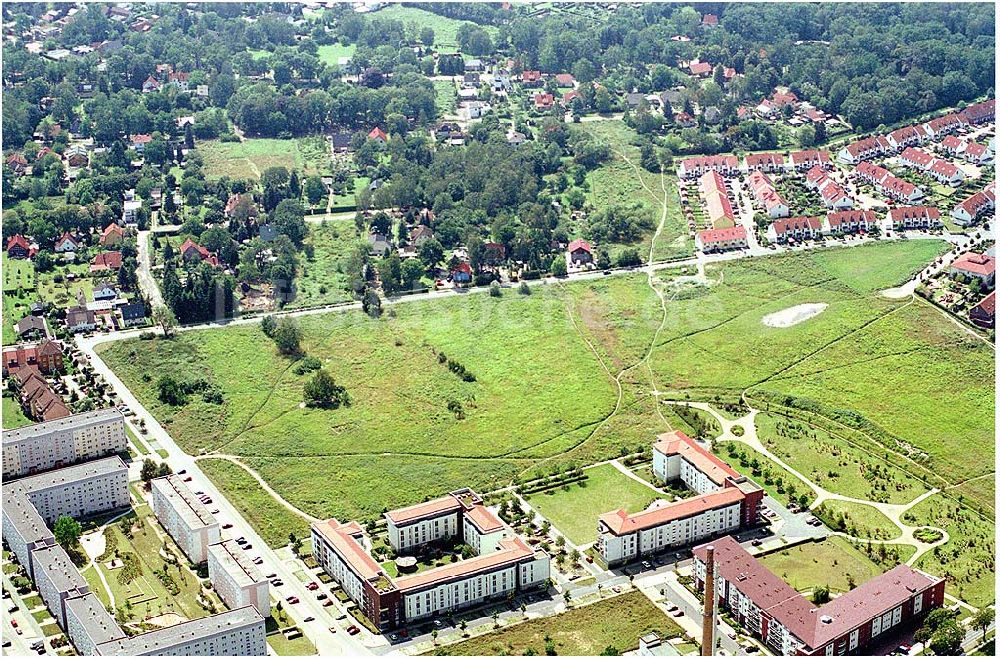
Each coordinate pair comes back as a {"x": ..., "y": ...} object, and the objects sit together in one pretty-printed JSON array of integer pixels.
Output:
[
  {"x": 503, "y": 563},
  {"x": 718, "y": 208},
  {"x": 724, "y": 501},
  {"x": 789, "y": 624},
  {"x": 975, "y": 206},
  {"x": 830, "y": 192},
  {"x": 941, "y": 170},
  {"x": 888, "y": 184}
]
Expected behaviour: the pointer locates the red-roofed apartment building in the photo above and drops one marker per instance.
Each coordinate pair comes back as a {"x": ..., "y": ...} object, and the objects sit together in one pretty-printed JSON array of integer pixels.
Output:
[
  {"x": 764, "y": 191},
  {"x": 503, "y": 563},
  {"x": 975, "y": 265},
  {"x": 789, "y": 624},
  {"x": 721, "y": 240},
  {"x": 765, "y": 162},
  {"x": 725, "y": 501},
  {"x": 849, "y": 222}
]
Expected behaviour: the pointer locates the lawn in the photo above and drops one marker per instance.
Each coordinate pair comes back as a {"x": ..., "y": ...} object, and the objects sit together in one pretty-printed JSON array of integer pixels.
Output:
[
  {"x": 574, "y": 510},
  {"x": 833, "y": 562},
  {"x": 612, "y": 623},
  {"x": 248, "y": 159},
  {"x": 272, "y": 520},
  {"x": 445, "y": 29},
  {"x": 445, "y": 96},
  {"x": 329, "y": 54},
  {"x": 857, "y": 519},
  {"x": 13, "y": 415},
  {"x": 323, "y": 279},
  {"x": 147, "y": 594},
  {"x": 834, "y": 463},
  {"x": 56, "y": 287},
  {"x": 968, "y": 559},
  {"x": 15, "y": 307},
  {"x": 18, "y": 274},
  {"x": 619, "y": 182},
  {"x": 775, "y": 480},
  {"x": 297, "y": 647}
]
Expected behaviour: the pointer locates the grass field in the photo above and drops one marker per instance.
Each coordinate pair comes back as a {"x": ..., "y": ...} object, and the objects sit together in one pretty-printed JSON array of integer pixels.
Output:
[
  {"x": 297, "y": 647},
  {"x": 542, "y": 387},
  {"x": 64, "y": 293},
  {"x": 612, "y": 623},
  {"x": 445, "y": 96},
  {"x": 330, "y": 53},
  {"x": 248, "y": 159},
  {"x": 766, "y": 473},
  {"x": 13, "y": 415},
  {"x": 619, "y": 182},
  {"x": 574, "y": 511},
  {"x": 833, "y": 562},
  {"x": 445, "y": 29},
  {"x": 857, "y": 519},
  {"x": 272, "y": 520},
  {"x": 17, "y": 273},
  {"x": 323, "y": 279},
  {"x": 835, "y": 464}
]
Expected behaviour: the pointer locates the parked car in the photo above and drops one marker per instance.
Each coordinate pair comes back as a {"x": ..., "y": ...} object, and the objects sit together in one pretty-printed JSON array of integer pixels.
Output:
[
  {"x": 182, "y": 472},
  {"x": 292, "y": 599},
  {"x": 353, "y": 629},
  {"x": 187, "y": 479},
  {"x": 227, "y": 525},
  {"x": 327, "y": 602},
  {"x": 321, "y": 596},
  {"x": 308, "y": 619}
]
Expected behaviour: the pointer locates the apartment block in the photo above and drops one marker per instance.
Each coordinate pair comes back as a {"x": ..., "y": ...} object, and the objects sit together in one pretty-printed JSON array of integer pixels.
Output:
[
  {"x": 725, "y": 501},
  {"x": 789, "y": 624},
  {"x": 503, "y": 563},
  {"x": 184, "y": 516},
  {"x": 236, "y": 579},
  {"x": 62, "y": 442},
  {"x": 236, "y": 633}
]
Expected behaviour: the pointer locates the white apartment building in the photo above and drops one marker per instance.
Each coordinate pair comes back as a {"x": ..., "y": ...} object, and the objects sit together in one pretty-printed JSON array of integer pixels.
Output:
[
  {"x": 78, "y": 491},
  {"x": 184, "y": 516},
  {"x": 513, "y": 566},
  {"x": 236, "y": 633},
  {"x": 725, "y": 501},
  {"x": 56, "y": 579},
  {"x": 236, "y": 579},
  {"x": 89, "y": 624},
  {"x": 63, "y": 441},
  {"x": 423, "y": 523}
]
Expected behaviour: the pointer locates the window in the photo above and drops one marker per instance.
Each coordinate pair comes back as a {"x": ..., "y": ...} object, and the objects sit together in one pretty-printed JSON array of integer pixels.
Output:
[
  {"x": 853, "y": 643},
  {"x": 918, "y": 603}
]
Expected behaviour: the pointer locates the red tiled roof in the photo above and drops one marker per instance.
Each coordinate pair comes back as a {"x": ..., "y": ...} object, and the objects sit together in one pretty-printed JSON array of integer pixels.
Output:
[
  {"x": 463, "y": 267},
  {"x": 975, "y": 149},
  {"x": 579, "y": 243},
  {"x": 433, "y": 508},
  {"x": 709, "y": 19},
  {"x": 378, "y": 134},
  {"x": 110, "y": 229},
  {"x": 727, "y": 162},
  {"x": 483, "y": 519},
  {"x": 564, "y": 79},
  {"x": 891, "y": 184},
  {"x": 511, "y": 550},
  {"x": 814, "y": 626},
  {"x": 106, "y": 260},
  {"x": 677, "y": 443},
  {"x": 759, "y": 159},
  {"x": 847, "y": 217},
  {"x": 916, "y": 156},
  {"x": 544, "y": 100},
  {"x": 830, "y": 190},
  {"x": 531, "y": 76},
  {"x": 142, "y": 139},
  {"x": 620, "y": 523},
  {"x": 699, "y": 68},
  {"x": 974, "y": 204},
  {"x": 796, "y": 223},
  {"x": 951, "y": 142},
  {"x": 717, "y": 204},
  {"x": 944, "y": 168},
  {"x": 709, "y": 236},
  {"x": 979, "y": 111},
  {"x": 872, "y": 171},
  {"x": 989, "y": 303},
  {"x": 901, "y": 213},
  {"x": 975, "y": 263},
  {"x": 343, "y": 538}
]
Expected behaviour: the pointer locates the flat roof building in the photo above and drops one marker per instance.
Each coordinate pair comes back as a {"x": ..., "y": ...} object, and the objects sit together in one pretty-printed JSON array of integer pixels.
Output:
[
  {"x": 235, "y": 633},
  {"x": 184, "y": 516},
  {"x": 236, "y": 579},
  {"x": 63, "y": 441},
  {"x": 89, "y": 624}
]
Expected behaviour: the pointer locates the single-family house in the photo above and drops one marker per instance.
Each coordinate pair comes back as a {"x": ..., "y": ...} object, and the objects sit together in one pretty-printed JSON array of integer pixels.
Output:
[
  {"x": 975, "y": 206},
  {"x": 192, "y": 251},
  {"x": 378, "y": 134},
  {"x": 105, "y": 290},
  {"x": 543, "y": 101},
  {"x": 80, "y": 319},
  {"x": 462, "y": 273},
  {"x": 66, "y": 243},
  {"x": 133, "y": 313},
  {"x": 580, "y": 252},
  {"x": 18, "y": 247},
  {"x": 31, "y": 327},
  {"x": 341, "y": 141},
  {"x": 18, "y": 163},
  {"x": 77, "y": 156},
  {"x": 151, "y": 84},
  {"x": 531, "y": 78},
  {"x": 974, "y": 265},
  {"x": 179, "y": 79},
  {"x": 984, "y": 313},
  {"x": 105, "y": 261},
  {"x": 140, "y": 141},
  {"x": 421, "y": 234},
  {"x": 112, "y": 235}
]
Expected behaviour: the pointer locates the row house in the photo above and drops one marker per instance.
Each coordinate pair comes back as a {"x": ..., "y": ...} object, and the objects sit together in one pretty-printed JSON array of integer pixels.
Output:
[
  {"x": 832, "y": 194},
  {"x": 787, "y": 623},
  {"x": 888, "y": 184},
  {"x": 721, "y": 240},
  {"x": 866, "y": 149},
  {"x": 972, "y": 208},
  {"x": 952, "y": 145},
  {"x": 765, "y": 193},
  {"x": 694, "y": 167},
  {"x": 945, "y": 125},
  {"x": 845, "y": 222},
  {"x": 908, "y": 136},
  {"x": 946, "y": 172},
  {"x": 802, "y": 161},
  {"x": 46, "y": 356},
  {"x": 765, "y": 162},
  {"x": 719, "y": 209},
  {"x": 976, "y": 153},
  {"x": 795, "y": 228},
  {"x": 914, "y": 217},
  {"x": 980, "y": 113},
  {"x": 916, "y": 158}
]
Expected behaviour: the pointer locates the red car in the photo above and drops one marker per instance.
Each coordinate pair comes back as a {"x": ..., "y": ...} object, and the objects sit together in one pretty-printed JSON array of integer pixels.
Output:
[
  {"x": 353, "y": 629},
  {"x": 292, "y": 599},
  {"x": 312, "y": 585},
  {"x": 187, "y": 479}
]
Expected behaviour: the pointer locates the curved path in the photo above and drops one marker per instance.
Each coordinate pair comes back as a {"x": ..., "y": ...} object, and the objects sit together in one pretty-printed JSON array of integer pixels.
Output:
[
  {"x": 893, "y": 511},
  {"x": 260, "y": 481}
]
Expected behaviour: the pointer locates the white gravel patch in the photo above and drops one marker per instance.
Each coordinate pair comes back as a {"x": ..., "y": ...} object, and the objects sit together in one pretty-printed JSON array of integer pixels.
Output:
[{"x": 794, "y": 315}]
